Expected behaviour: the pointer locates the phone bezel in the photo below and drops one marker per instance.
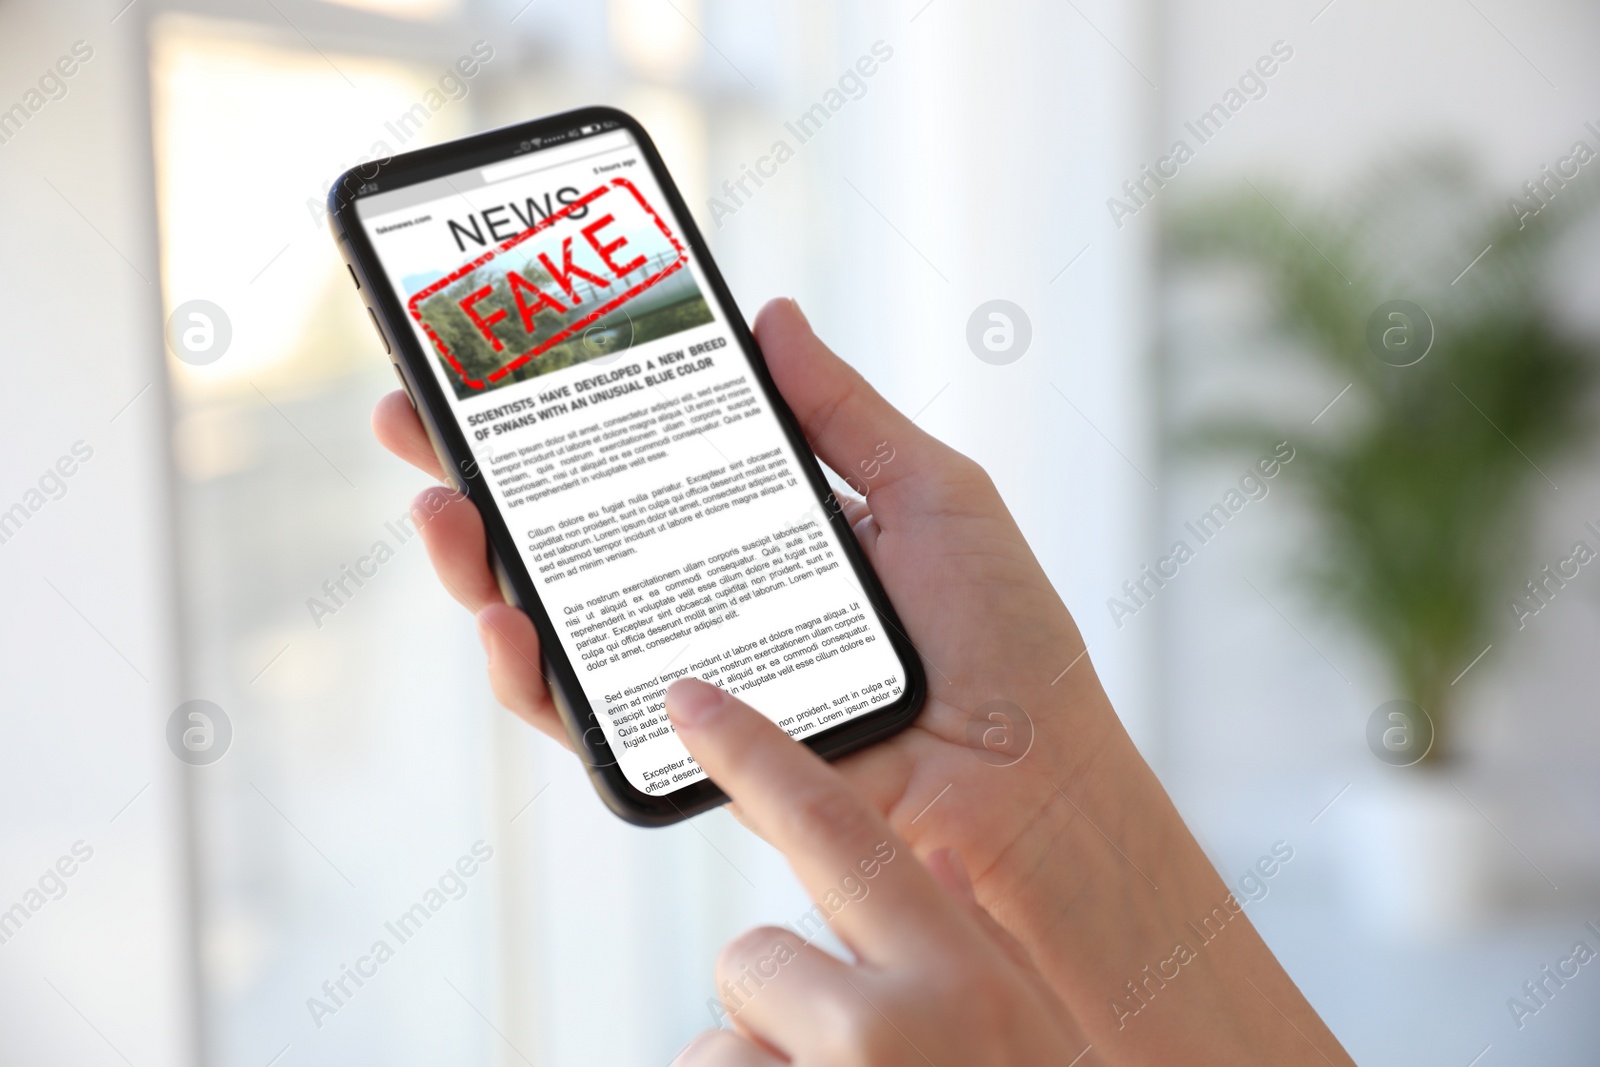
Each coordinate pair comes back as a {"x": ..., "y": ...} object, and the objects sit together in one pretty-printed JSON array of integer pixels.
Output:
[{"x": 433, "y": 406}]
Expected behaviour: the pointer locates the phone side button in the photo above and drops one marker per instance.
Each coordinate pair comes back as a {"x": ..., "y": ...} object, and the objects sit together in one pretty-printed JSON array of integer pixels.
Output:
[
  {"x": 356, "y": 281},
  {"x": 374, "y": 316},
  {"x": 404, "y": 386}
]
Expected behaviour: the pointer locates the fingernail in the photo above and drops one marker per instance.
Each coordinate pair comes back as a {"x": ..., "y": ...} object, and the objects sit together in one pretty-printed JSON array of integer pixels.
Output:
[
  {"x": 693, "y": 703},
  {"x": 796, "y": 305}
]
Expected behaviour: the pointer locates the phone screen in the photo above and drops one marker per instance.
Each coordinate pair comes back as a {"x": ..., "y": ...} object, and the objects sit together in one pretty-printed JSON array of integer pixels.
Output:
[{"x": 659, "y": 506}]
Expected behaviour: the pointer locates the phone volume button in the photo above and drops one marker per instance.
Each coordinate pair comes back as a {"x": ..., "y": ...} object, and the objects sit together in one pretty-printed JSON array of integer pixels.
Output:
[{"x": 379, "y": 328}]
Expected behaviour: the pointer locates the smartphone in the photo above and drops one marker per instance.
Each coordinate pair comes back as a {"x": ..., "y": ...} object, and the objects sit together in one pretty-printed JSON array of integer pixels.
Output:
[{"x": 650, "y": 502}]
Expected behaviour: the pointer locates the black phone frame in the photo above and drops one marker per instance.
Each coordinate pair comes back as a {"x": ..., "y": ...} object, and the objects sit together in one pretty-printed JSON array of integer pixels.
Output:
[{"x": 414, "y": 363}]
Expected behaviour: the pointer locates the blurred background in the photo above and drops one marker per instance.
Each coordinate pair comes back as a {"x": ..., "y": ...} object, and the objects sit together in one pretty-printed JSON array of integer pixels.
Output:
[{"x": 1374, "y": 252}]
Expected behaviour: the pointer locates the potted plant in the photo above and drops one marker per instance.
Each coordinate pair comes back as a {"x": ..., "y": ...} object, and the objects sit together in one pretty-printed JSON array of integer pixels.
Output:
[
  {"x": 1420, "y": 304},
  {"x": 1424, "y": 490}
]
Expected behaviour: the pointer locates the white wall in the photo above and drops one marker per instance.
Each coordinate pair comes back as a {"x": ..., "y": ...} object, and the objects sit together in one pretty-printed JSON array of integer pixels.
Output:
[
  {"x": 1263, "y": 724},
  {"x": 984, "y": 142},
  {"x": 87, "y": 639}
]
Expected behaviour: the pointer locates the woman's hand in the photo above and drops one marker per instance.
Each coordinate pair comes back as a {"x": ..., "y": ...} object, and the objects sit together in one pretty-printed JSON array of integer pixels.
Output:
[
  {"x": 935, "y": 979},
  {"x": 1017, "y": 762},
  {"x": 974, "y": 601}
]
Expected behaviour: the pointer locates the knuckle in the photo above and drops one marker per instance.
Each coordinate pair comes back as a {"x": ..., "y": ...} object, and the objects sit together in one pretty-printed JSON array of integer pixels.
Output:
[
  {"x": 747, "y": 949},
  {"x": 832, "y": 813},
  {"x": 857, "y": 1034},
  {"x": 967, "y": 476},
  {"x": 969, "y": 986},
  {"x": 521, "y": 694},
  {"x": 431, "y": 501},
  {"x": 821, "y": 418},
  {"x": 711, "y": 1047},
  {"x": 959, "y": 485}
]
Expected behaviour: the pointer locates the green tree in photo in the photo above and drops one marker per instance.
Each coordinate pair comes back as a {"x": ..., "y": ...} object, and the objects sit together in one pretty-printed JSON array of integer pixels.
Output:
[{"x": 636, "y": 322}]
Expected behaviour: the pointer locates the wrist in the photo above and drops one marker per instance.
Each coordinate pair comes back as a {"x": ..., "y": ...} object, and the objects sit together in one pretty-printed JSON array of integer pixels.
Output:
[{"x": 1127, "y": 919}]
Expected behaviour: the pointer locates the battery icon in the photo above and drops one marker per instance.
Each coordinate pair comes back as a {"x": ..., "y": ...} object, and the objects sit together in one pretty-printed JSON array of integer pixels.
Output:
[{"x": 585, "y": 131}]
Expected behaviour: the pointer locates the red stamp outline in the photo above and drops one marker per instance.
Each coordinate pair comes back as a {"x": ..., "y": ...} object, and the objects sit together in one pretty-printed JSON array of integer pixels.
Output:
[{"x": 562, "y": 335}]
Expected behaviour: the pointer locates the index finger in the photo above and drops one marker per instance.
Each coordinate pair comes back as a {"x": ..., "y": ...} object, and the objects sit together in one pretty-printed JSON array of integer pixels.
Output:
[
  {"x": 878, "y": 898},
  {"x": 858, "y": 433}
]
